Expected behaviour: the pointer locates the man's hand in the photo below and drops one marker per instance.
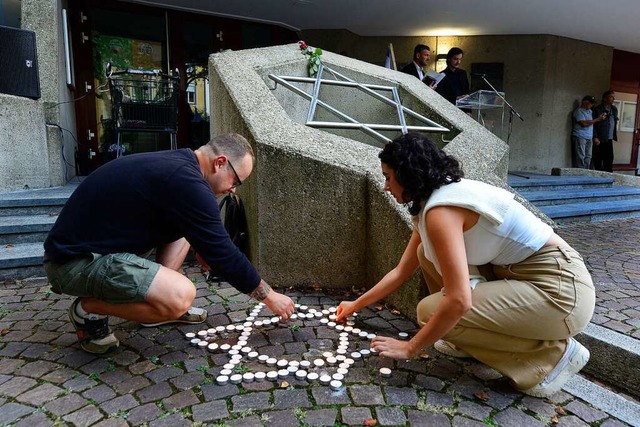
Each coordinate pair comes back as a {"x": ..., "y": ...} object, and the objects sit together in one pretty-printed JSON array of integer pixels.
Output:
[
  {"x": 395, "y": 349},
  {"x": 596, "y": 141},
  {"x": 280, "y": 304}
]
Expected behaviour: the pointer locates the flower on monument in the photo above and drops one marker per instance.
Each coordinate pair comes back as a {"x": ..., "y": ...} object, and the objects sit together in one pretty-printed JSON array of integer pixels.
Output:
[{"x": 314, "y": 57}]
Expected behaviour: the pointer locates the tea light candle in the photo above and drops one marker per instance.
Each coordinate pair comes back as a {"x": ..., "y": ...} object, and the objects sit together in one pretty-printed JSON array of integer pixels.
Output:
[
  {"x": 331, "y": 324},
  {"x": 233, "y": 352},
  {"x": 202, "y": 334},
  {"x": 282, "y": 363},
  {"x": 253, "y": 355},
  {"x": 335, "y": 385},
  {"x": 275, "y": 320},
  {"x": 263, "y": 358},
  {"x": 363, "y": 334},
  {"x": 222, "y": 380},
  {"x": 272, "y": 375},
  {"x": 349, "y": 361},
  {"x": 341, "y": 351},
  {"x": 341, "y": 357},
  {"x": 332, "y": 317},
  {"x": 324, "y": 321},
  {"x": 190, "y": 335},
  {"x": 235, "y": 379},
  {"x": 356, "y": 355},
  {"x": 312, "y": 376},
  {"x": 333, "y": 309},
  {"x": 305, "y": 364},
  {"x": 195, "y": 341},
  {"x": 203, "y": 344},
  {"x": 294, "y": 363},
  {"x": 339, "y": 328},
  {"x": 337, "y": 376},
  {"x": 355, "y": 331},
  {"x": 226, "y": 372},
  {"x": 228, "y": 366},
  {"x": 220, "y": 329},
  {"x": 348, "y": 328},
  {"x": 250, "y": 319},
  {"x": 403, "y": 335},
  {"x": 385, "y": 372},
  {"x": 211, "y": 331},
  {"x": 247, "y": 377},
  {"x": 327, "y": 354},
  {"x": 293, "y": 316},
  {"x": 325, "y": 379},
  {"x": 245, "y": 350},
  {"x": 332, "y": 360},
  {"x": 230, "y": 328},
  {"x": 365, "y": 352},
  {"x": 266, "y": 322},
  {"x": 371, "y": 336},
  {"x": 301, "y": 374},
  {"x": 272, "y": 361},
  {"x": 212, "y": 347},
  {"x": 259, "y": 376},
  {"x": 344, "y": 365},
  {"x": 258, "y": 323},
  {"x": 304, "y": 308},
  {"x": 283, "y": 373},
  {"x": 318, "y": 363}
]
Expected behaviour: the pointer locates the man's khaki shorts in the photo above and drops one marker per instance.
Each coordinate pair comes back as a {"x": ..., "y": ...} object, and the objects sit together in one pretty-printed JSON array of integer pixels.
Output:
[{"x": 113, "y": 278}]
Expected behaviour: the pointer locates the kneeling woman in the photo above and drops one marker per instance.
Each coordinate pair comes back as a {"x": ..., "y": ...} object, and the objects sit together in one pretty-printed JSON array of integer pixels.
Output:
[{"x": 504, "y": 288}]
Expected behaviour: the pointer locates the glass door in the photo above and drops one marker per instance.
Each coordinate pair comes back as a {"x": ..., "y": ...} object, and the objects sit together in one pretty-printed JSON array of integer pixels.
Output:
[{"x": 626, "y": 148}]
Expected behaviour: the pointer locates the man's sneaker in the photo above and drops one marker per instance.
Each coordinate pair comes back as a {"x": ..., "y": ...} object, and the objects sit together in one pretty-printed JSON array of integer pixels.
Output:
[
  {"x": 449, "y": 349},
  {"x": 93, "y": 334},
  {"x": 573, "y": 359},
  {"x": 192, "y": 316}
]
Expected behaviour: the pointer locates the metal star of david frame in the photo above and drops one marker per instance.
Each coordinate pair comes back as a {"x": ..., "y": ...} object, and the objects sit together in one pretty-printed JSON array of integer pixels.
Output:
[{"x": 350, "y": 122}]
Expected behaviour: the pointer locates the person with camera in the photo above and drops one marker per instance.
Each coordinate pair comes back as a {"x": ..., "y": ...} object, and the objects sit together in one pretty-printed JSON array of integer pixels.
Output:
[{"x": 583, "y": 131}]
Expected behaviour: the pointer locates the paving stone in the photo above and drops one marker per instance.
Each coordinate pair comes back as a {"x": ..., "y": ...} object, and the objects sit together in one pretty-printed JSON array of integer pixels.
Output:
[
  {"x": 262, "y": 386},
  {"x": 35, "y": 419},
  {"x": 215, "y": 392},
  {"x": 325, "y": 396},
  {"x": 17, "y": 386},
  {"x": 401, "y": 396},
  {"x": 35, "y": 351},
  {"x": 66, "y": 404},
  {"x": 12, "y": 411},
  {"x": 571, "y": 421},
  {"x": 39, "y": 395},
  {"x": 612, "y": 423},
  {"x": 515, "y": 417},
  {"x": 163, "y": 373},
  {"x": 154, "y": 392},
  {"x": 174, "y": 420},
  {"x": 459, "y": 421},
  {"x": 429, "y": 383},
  {"x": 280, "y": 419},
  {"x": 425, "y": 419},
  {"x": 115, "y": 376},
  {"x": 10, "y": 366},
  {"x": 131, "y": 385},
  {"x": 474, "y": 410},
  {"x": 63, "y": 375},
  {"x": 539, "y": 406},
  {"x": 251, "y": 401},
  {"x": 180, "y": 400},
  {"x": 122, "y": 403},
  {"x": 366, "y": 395},
  {"x": 585, "y": 412},
  {"x": 321, "y": 417},
  {"x": 280, "y": 336},
  {"x": 210, "y": 411},
  {"x": 285, "y": 399},
  {"x": 187, "y": 381},
  {"x": 439, "y": 400},
  {"x": 355, "y": 415},
  {"x": 100, "y": 393},
  {"x": 389, "y": 416},
  {"x": 252, "y": 421},
  {"x": 86, "y": 416}
]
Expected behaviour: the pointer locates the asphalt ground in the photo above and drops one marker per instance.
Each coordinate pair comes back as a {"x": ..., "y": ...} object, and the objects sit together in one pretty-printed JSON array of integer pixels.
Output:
[{"x": 158, "y": 378}]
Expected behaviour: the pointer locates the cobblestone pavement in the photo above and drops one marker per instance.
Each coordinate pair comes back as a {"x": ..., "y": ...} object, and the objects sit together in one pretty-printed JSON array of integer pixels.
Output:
[
  {"x": 157, "y": 378},
  {"x": 611, "y": 250}
]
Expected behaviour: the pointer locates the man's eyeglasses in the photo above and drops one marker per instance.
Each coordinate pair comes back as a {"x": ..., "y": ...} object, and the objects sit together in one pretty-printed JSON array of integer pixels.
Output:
[{"x": 238, "y": 181}]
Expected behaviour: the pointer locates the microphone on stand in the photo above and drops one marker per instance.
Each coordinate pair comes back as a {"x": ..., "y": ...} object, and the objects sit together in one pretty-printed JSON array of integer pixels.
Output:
[{"x": 479, "y": 74}]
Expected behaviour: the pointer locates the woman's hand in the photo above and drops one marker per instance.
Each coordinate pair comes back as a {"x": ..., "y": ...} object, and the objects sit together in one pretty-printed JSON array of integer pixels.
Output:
[
  {"x": 389, "y": 347},
  {"x": 345, "y": 309}
]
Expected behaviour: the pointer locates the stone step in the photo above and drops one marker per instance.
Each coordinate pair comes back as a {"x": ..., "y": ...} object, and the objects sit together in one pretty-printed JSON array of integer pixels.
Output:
[
  {"x": 44, "y": 201},
  {"x": 594, "y": 211},
  {"x": 25, "y": 228},
  {"x": 583, "y": 195},
  {"x": 535, "y": 182},
  {"x": 21, "y": 260}
]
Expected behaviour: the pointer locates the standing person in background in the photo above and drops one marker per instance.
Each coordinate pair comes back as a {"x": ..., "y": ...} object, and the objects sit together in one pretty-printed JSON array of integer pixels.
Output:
[
  {"x": 421, "y": 55},
  {"x": 583, "y": 132},
  {"x": 604, "y": 132},
  {"x": 456, "y": 84}
]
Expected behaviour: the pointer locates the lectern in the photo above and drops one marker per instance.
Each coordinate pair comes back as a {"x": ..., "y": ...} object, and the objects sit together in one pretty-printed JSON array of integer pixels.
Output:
[{"x": 484, "y": 102}]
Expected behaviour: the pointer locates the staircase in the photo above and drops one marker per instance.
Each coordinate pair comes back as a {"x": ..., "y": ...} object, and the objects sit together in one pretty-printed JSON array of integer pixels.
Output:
[
  {"x": 567, "y": 199},
  {"x": 25, "y": 219}
]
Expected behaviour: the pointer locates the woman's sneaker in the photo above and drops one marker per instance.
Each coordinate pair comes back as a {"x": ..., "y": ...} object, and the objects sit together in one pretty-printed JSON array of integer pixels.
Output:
[
  {"x": 449, "y": 349},
  {"x": 93, "y": 333},
  {"x": 573, "y": 360},
  {"x": 192, "y": 316}
]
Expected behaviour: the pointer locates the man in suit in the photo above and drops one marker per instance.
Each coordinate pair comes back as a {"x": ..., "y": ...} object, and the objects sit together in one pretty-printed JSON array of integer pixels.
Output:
[
  {"x": 421, "y": 54},
  {"x": 456, "y": 83}
]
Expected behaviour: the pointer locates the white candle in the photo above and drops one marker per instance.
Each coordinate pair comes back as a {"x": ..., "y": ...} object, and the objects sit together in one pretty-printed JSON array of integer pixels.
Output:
[
  {"x": 385, "y": 372},
  {"x": 336, "y": 385},
  {"x": 235, "y": 379},
  {"x": 222, "y": 379},
  {"x": 312, "y": 376}
]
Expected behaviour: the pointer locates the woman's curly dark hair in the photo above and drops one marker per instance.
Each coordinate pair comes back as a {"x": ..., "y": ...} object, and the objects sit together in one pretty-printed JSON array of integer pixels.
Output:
[{"x": 420, "y": 167}]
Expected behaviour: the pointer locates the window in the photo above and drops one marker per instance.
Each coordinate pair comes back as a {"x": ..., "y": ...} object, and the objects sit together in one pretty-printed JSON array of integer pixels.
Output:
[{"x": 191, "y": 93}]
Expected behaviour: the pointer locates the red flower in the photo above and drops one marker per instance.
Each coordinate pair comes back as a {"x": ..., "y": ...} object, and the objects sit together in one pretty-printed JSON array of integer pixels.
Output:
[{"x": 303, "y": 45}]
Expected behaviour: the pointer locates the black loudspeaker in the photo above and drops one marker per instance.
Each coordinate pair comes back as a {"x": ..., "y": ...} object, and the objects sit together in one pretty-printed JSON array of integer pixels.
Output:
[{"x": 18, "y": 63}]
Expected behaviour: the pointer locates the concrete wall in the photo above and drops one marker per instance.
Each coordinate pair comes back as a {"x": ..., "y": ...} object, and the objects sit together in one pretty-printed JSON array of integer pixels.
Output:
[
  {"x": 40, "y": 131},
  {"x": 316, "y": 206},
  {"x": 544, "y": 77},
  {"x": 24, "y": 153}
]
